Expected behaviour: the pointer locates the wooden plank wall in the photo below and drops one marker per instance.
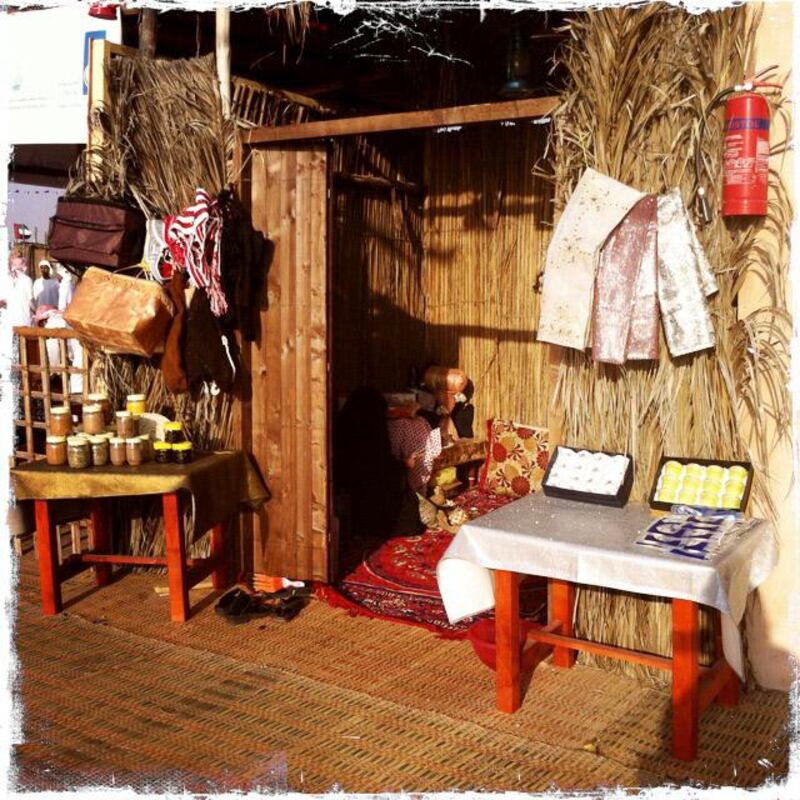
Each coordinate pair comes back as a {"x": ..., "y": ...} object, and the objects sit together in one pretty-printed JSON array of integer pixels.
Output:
[{"x": 285, "y": 423}]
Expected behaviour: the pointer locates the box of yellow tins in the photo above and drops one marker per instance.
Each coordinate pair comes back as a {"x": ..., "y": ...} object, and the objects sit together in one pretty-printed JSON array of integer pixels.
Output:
[{"x": 701, "y": 483}]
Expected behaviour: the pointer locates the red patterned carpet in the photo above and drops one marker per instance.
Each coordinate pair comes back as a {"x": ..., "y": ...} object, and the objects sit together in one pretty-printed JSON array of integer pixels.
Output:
[{"x": 397, "y": 581}]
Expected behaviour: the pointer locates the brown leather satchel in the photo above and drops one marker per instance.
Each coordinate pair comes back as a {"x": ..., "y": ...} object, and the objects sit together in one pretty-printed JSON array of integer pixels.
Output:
[
  {"x": 120, "y": 313},
  {"x": 92, "y": 232}
]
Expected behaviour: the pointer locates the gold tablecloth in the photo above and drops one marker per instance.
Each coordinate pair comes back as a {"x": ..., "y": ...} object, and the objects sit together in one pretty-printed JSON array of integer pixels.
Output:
[{"x": 219, "y": 483}]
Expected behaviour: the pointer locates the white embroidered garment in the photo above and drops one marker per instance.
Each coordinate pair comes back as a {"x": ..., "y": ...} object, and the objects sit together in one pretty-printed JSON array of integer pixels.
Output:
[
  {"x": 597, "y": 206},
  {"x": 685, "y": 279},
  {"x": 596, "y": 545}
]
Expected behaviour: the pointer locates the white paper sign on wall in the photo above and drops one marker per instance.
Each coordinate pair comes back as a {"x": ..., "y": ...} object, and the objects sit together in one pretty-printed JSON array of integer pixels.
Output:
[{"x": 47, "y": 63}]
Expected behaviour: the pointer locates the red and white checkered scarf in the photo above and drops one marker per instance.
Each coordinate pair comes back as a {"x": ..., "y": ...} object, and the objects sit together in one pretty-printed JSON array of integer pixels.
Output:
[{"x": 193, "y": 237}]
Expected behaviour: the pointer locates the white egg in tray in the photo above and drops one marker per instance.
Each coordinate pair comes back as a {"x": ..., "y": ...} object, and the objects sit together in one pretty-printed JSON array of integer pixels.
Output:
[{"x": 584, "y": 471}]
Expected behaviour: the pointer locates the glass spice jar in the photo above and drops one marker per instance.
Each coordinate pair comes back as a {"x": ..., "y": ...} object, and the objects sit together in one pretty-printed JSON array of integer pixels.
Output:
[
  {"x": 116, "y": 451},
  {"x": 93, "y": 419},
  {"x": 126, "y": 425},
  {"x": 135, "y": 404},
  {"x": 60, "y": 421},
  {"x": 147, "y": 446},
  {"x": 78, "y": 454},
  {"x": 163, "y": 452},
  {"x": 173, "y": 432},
  {"x": 182, "y": 452},
  {"x": 56, "y": 450},
  {"x": 101, "y": 399},
  {"x": 133, "y": 451},
  {"x": 100, "y": 450}
]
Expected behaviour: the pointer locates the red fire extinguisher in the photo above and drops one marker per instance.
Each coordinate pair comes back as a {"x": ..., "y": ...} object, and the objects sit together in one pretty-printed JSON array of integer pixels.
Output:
[{"x": 745, "y": 170}]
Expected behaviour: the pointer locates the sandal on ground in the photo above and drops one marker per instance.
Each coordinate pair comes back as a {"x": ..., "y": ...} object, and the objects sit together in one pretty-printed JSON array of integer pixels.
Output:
[{"x": 227, "y": 599}]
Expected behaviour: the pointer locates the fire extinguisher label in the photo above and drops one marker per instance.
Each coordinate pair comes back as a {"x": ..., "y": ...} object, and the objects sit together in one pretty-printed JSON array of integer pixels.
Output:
[{"x": 746, "y": 124}]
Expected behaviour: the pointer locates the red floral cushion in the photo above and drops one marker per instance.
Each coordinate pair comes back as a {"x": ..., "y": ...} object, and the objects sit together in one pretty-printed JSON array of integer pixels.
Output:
[{"x": 516, "y": 460}]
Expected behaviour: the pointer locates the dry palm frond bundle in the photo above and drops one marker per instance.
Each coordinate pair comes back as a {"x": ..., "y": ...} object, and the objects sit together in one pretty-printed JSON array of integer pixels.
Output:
[
  {"x": 291, "y": 19},
  {"x": 638, "y": 82}
]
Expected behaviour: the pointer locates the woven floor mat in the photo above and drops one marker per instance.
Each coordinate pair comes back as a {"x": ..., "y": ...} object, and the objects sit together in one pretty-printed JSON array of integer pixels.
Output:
[{"x": 333, "y": 700}]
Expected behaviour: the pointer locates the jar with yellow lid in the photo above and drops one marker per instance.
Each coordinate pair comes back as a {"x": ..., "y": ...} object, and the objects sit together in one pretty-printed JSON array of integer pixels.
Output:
[
  {"x": 56, "y": 450},
  {"x": 182, "y": 452},
  {"x": 135, "y": 403},
  {"x": 60, "y": 421},
  {"x": 93, "y": 420},
  {"x": 163, "y": 452},
  {"x": 173, "y": 432}
]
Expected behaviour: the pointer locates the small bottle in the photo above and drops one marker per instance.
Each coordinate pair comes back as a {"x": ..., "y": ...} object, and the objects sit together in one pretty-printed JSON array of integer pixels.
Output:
[
  {"x": 135, "y": 404},
  {"x": 78, "y": 455},
  {"x": 60, "y": 421},
  {"x": 173, "y": 432},
  {"x": 93, "y": 420},
  {"x": 147, "y": 447},
  {"x": 101, "y": 399},
  {"x": 163, "y": 452},
  {"x": 116, "y": 450},
  {"x": 182, "y": 452},
  {"x": 100, "y": 450},
  {"x": 56, "y": 450},
  {"x": 133, "y": 451},
  {"x": 126, "y": 425}
]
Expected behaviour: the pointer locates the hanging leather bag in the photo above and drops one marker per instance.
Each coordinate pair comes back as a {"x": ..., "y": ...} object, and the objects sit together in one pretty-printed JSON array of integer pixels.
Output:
[
  {"x": 92, "y": 232},
  {"x": 119, "y": 313}
]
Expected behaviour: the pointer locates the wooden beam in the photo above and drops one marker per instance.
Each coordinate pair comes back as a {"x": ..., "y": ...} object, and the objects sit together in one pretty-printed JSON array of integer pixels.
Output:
[
  {"x": 223, "y": 51},
  {"x": 377, "y": 183},
  {"x": 610, "y": 651},
  {"x": 148, "y": 25},
  {"x": 407, "y": 120}
]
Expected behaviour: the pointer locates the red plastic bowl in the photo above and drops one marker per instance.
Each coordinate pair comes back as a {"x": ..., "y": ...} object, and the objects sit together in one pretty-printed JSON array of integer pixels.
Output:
[{"x": 482, "y": 638}]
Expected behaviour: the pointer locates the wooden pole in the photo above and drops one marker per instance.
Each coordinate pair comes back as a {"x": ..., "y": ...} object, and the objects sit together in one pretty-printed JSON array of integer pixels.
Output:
[
  {"x": 223, "y": 49},
  {"x": 148, "y": 24}
]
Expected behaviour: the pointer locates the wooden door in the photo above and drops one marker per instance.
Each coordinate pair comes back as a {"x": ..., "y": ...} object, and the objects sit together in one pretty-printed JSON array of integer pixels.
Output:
[{"x": 285, "y": 419}]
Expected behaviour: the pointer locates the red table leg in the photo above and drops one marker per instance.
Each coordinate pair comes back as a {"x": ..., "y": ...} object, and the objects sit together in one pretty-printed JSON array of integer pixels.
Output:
[
  {"x": 728, "y": 696},
  {"x": 507, "y": 649},
  {"x": 560, "y": 604},
  {"x": 101, "y": 538},
  {"x": 685, "y": 678},
  {"x": 219, "y": 577},
  {"x": 176, "y": 559},
  {"x": 49, "y": 580}
]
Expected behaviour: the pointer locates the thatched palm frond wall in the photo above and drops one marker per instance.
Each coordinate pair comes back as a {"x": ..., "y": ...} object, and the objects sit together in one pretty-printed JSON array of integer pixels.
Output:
[{"x": 638, "y": 81}]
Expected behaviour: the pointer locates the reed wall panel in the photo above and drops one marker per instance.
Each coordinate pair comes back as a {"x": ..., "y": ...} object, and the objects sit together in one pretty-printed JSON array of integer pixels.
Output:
[{"x": 487, "y": 226}]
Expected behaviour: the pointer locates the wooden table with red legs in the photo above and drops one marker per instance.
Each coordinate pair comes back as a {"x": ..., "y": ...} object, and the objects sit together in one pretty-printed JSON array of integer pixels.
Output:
[
  {"x": 218, "y": 484},
  {"x": 182, "y": 572},
  {"x": 694, "y": 687}
]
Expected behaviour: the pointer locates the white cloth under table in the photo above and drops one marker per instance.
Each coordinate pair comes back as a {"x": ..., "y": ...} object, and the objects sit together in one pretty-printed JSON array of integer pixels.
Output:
[{"x": 595, "y": 545}]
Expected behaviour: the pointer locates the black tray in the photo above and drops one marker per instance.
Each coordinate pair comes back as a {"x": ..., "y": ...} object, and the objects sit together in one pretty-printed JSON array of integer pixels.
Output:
[
  {"x": 617, "y": 500},
  {"x": 703, "y": 462}
]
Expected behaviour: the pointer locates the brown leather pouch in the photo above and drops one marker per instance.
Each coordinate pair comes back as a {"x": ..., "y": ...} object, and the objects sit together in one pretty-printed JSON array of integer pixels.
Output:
[{"x": 119, "y": 313}]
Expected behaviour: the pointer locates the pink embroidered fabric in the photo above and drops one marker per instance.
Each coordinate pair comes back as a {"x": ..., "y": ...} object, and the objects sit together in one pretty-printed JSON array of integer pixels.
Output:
[
  {"x": 625, "y": 314},
  {"x": 409, "y": 435}
]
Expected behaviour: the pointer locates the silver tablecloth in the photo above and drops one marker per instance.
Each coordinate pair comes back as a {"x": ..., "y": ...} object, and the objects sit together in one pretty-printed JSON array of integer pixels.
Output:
[{"x": 595, "y": 545}]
